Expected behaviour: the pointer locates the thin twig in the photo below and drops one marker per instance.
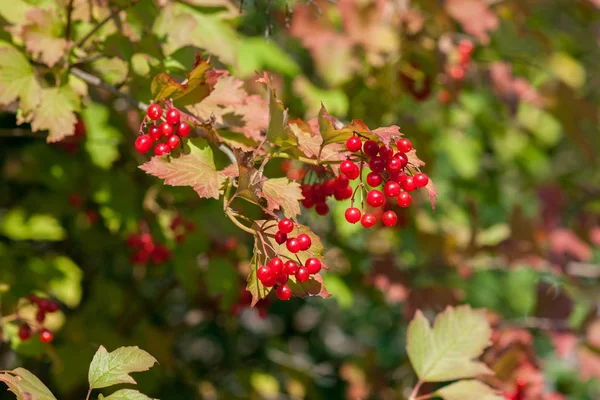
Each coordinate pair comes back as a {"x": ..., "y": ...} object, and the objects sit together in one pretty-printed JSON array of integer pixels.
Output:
[
  {"x": 69, "y": 20},
  {"x": 88, "y": 394},
  {"x": 415, "y": 391}
]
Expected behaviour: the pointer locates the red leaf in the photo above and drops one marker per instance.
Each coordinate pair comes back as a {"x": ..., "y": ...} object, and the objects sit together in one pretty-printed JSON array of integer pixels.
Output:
[{"x": 475, "y": 17}]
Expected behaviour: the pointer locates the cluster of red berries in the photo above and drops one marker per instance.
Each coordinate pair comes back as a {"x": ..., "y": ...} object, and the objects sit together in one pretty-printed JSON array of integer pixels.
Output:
[
  {"x": 181, "y": 227},
  {"x": 457, "y": 69},
  {"x": 316, "y": 194},
  {"x": 519, "y": 392},
  {"x": 171, "y": 128},
  {"x": 278, "y": 272},
  {"x": 44, "y": 306},
  {"x": 145, "y": 249},
  {"x": 387, "y": 169}
]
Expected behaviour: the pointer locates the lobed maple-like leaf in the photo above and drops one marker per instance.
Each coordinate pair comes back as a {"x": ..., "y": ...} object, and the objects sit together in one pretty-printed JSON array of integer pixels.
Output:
[
  {"x": 43, "y": 36},
  {"x": 328, "y": 131},
  {"x": 468, "y": 390},
  {"x": 311, "y": 143},
  {"x": 250, "y": 179},
  {"x": 107, "y": 369},
  {"x": 193, "y": 90},
  {"x": 56, "y": 112},
  {"x": 195, "y": 168},
  {"x": 447, "y": 351},
  {"x": 126, "y": 394},
  {"x": 17, "y": 80},
  {"x": 278, "y": 131},
  {"x": 386, "y": 134},
  {"x": 281, "y": 193},
  {"x": 25, "y": 385}
]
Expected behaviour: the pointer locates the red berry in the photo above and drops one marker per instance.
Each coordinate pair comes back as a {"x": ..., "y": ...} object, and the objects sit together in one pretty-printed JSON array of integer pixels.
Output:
[
  {"x": 342, "y": 181},
  {"x": 353, "y": 144},
  {"x": 283, "y": 292},
  {"x": 329, "y": 186},
  {"x": 161, "y": 149},
  {"x": 35, "y": 299},
  {"x": 302, "y": 274},
  {"x": 404, "y": 199},
  {"x": 282, "y": 279},
  {"x": 293, "y": 245},
  {"x": 457, "y": 72},
  {"x": 371, "y": 148},
  {"x": 354, "y": 173},
  {"x": 352, "y": 215},
  {"x": 392, "y": 189},
  {"x": 166, "y": 129},
  {"x": 313, "y": 265},
  {"x": 290, "y": 267},
  {"x": 308, "y": 202},
  {"x": 173, "y": 141},
  {"x": 465, "y": 47},
  {"x": 280, "y": 237},
  {"x": 173, "y": 116},
  {"x": 403, "y": 159},
  {"x": 143, "y": 143},
  {"x": 377, "y": 164},
  {"x": 46, "y": 336},
  {"x": 385, "y": 152},
  {"x": 374, "y": 179},
  {"x": 264, "y": 273},
  {"x": 389, "y": 218},
  {"x": 347, "y": 167},
  {"x": 154, "y": 112},
  {"x": 24, "y": 332},
  {"x": 285, "y": 225},
  {"x": 276, "y": 266},
  {"x": 404, "y": 145},
  {"x": 52, "y": 307},
  {"x": 343, "y": 194},
  {"x": 154, "y": 132},
  {"x": 304, "y": 241},
  {"x": 183, "y": 129},
  {"x": 44, "y": 304},
  {"x": 375, "y": 198},
  {"x": 409, "y": 184},
  {"x": 322, "y": 208},
  {"x": 368, "y": 220},
  {"x": 40, "y": 316},
  {"x": 394, "y": 165},
  {"x": 421, "y": 180}
]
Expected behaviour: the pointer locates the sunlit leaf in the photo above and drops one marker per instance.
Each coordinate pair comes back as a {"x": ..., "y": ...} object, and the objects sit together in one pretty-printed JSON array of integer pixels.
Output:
[
  {"x": 56, "y": 113},
  {"x": 468, "y": 390},
  {"x": 17, "y": 225},
  {"x": 127, "y": 394},
  {"x": 281, "y": 193},
  {"x": 25, "y": 385},
  {"x": 112, "y": 368},
  {"x": 43, "y": 35},
  {"x": 194, "y": 90},
  {"x": 17, "y": 80},
  {"x": 102, "y": 139}
]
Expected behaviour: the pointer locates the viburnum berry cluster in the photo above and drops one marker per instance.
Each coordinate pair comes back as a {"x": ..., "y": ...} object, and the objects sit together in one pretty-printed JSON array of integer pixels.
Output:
[
  {"x": 519, "y": 392},
  {"x": 460, "y": 62},
  {"x": 278, "y": 272},
  {"x": 146, "y": 249},
  {"x": 316, "y": 194},
  {"x": 181, "y": 227},
  {"x": 27, "y": 328},
  {"x": 167, "y": 126}
]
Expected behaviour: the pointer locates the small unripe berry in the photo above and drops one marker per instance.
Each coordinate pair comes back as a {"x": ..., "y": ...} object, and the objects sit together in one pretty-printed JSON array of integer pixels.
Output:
[
  {"x": 389, "y": 218},
  {"x": 283, "y": 292},
  {"x": 404, "y": 145},
  {"x": 353, "y": 144},
  {"x": 154, "y": 112},
  {"x": 143, "y": 143},
  {"x": 173, "y": 116},
  {"x": 352, "y": 215},
  {"x": 302, "y": 274},
  {"x": 404, "y": 199},
  {"x": 285, "y": 225},
  {"x": 368, "y": 220},
  {"x": 375, "y": 198},
  {"x": 313, "y": 265}
]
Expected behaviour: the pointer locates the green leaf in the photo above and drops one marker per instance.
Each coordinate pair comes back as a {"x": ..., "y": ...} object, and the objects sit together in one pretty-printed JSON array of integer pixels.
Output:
[
  {"x": 44, "y": 35},
  {"x": 446, "y": 352},
  {"x": 313, "y": 96},
  {"x": 468, "y": 390},
  {"x": 328, "y": 131},
  {"x": 195, "y": 168},
  {"x": 18, "y": 226},
  {"x": 56, "y": 113},
  {"x": 193, "y": 91},
  {"x": 339, "y": 289},
  {"x": 257, "y": 54},
  {"x": 127, "y": 394},
  {"x": 112, "y": 368},
  {"x": 567, "y": 69},
  {"x": 520, "y": 290},
  {"x": 17, "y": 80},
  {"x": 221, "y": 280},
  {"x": 102, "y": 139},
  {"x": 283, "y": 193},
  {"x": 65, "y": 285},
  {"x": 539, "y": 122},
  {"x": 278, "y": 131},
  {"x": 25, "y": 385}
]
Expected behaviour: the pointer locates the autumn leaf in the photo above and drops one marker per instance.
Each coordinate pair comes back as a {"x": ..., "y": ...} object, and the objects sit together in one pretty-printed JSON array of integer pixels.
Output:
[
  {"x": 431, "y": 193},
  {"x": 107, "y": 369},
  {"x": 56, "y": 113},
  {"x": 283, "y": 193},
  {"x": 475, "y": 17},
  {"x": 43, "y": 36},
  {"x": 328, "y": 131},
  {"x": 310, "y": 144},
  {"x": 446, "y": 351},
  {"x": 254, "y": 285},
  {"x": 195, "y": 168},
  {"x": 278, "y": 131},
  {"x": 17, "y": 80},
  {"x": 250, "y": 179},
  {"x": 468, "y": 390},
  {"x": 193, "y": 90},
  {"x": 25, "y": 385},
  {"x": 386, "y": 134}
]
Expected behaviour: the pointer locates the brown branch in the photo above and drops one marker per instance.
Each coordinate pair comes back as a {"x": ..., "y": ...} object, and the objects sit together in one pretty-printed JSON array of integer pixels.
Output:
[{"x": 69, "y": 20}]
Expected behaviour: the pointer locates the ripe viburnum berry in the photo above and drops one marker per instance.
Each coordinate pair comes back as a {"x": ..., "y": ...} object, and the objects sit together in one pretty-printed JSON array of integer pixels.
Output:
[
  {"x": 347, "y": 167},
  {"x": 154, "y": 132},
  {"x": 368, "y": 220},
  {"x": 409, "y": 184},
  {"x": 143, "y": 143},
  {"x": 353, "y": 144},
  {"x": 280, "y": 237},
  {"x": 282, "y": 279},
  {"x": 389, "y": 218},
  {"x": 421, "y": 180},
  {"x": 329, "y": 186},
  {"x": 302, "y": 274},
  {"x": 391, "y": 189},
  {"x": 290, "y": 267},
  {"x": 343, "y": 193},
  {"x": 275, "y": 266},
  {"x": 313, "y": 265},
  {"x": 161, "y": 149},
  {"x": 371, "y": 148},
  {"x": 375, "y": 198},
  {"x": 377, "y": 164},
  {"x": 385, "y": 152},
  {"x": 285, "y": 225},
  {"x": 457, "y": 72},
  {"x": 173, "y": 141},
  {"x": 403, "y": 159},
  {"x": 394, "y": 165},
  {"x": 293, "y": 245},
  {"x": 283, "y": 292},
  {"x": 40, "y": 316},
  {"x": 173, "y": 116},
  {"x": 46, "y": 336},
  {"x": 342, "y": 181},
  {"x": 404, "y": 145},
  {"x": 321, "y": 208},
  {"x": 154, "y": 112},
  {"x": 404, "y": 199},
  {"x": 374, "y": 179},
  {"x": 183, "y": 129},
  {"x": 304, "y": 241},
  {"x": 24, "y": 332},
  {"x": 465, "y": 46},
  {"x": 352, "y": 215}
]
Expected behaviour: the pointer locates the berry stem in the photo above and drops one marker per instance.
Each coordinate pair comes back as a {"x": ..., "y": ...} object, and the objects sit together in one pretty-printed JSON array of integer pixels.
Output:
[
  {"x": 88, "y": 394},
  {"x": 415, "y": 391},
  {"x": 236, "y": 222}
]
